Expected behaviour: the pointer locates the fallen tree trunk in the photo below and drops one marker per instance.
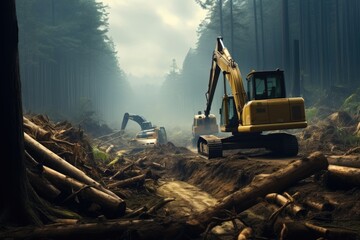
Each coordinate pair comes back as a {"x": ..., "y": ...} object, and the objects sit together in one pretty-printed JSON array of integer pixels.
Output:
[
  {"x": 122, "y": 229},
  {"x": 291, "y": 207},
  {"x": 320, "y": 206},
  {"x": 112, "y": 207},
  {"x": 53, "y": 161},
  {"x": 43, "y": 187},
  {"x": 343, "y": 175},
  {"x": 130, "y": 181},
  {"x": 245, "y": 234},
  {"x": 247, "y": 196},
  {"x": 121, "y": 171},
  {"x": 290, "y": 230},
  {"x": 346, "y": 161},
  {"x": 35, "y": 130}
]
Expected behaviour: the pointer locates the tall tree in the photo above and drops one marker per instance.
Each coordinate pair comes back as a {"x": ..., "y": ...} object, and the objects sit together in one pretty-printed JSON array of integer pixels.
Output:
[
  {"x": 286, "y": 36},
  {"x": 14, "y": 209}
]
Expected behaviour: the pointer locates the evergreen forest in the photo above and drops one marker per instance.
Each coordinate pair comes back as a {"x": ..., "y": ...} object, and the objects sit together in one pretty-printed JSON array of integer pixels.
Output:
[
  {"x": 69, "y": 67},
  {"x": 67, "y": 60},
  {"x": 263, "y": 35}
]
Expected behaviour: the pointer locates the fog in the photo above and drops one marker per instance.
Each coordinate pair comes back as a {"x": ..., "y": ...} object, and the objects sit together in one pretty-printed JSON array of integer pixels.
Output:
[{"x": 100, "y": 59}]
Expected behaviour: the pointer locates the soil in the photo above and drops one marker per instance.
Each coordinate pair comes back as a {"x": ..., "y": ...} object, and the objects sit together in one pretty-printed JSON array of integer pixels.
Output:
[{"x": 220, "y": 177}]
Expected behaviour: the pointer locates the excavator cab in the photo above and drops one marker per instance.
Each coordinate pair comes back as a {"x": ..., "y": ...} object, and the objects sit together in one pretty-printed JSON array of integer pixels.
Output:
[{"x": 265, "y": 85}]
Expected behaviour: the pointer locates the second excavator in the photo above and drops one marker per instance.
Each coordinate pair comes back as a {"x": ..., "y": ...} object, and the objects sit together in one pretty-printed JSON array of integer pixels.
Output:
[
  {"x": 149, "y": 135},
  {"x": 264, "y": 107}
]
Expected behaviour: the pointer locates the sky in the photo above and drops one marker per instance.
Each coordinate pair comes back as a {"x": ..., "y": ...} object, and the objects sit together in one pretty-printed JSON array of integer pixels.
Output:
[{"x": 148, "y": 35}]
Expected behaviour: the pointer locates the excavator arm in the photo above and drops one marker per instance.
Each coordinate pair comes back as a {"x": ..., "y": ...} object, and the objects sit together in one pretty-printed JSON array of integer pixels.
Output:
[
  {"x": 144, "y": 125},
  {"x": 223, "y": 62}
]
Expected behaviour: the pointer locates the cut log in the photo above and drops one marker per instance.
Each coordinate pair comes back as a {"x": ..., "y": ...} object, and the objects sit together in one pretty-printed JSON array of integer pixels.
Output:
[
  {"x": 43, "y": 187},
  {"x": 291, "y": 207},
  {"x": 109, "y": 149},
  {"x": 130, "y": 181},
  {"x": 112, "y": 207},
  {"x": 120, "y": 229},
  {"x": 332, "y": 233},
  {"x": 121, "y": 171},
  {"x": 290, "y": 230},
  {"x": 157, "y": 166},
  {"x": 53, "y": 161},
  {"x": 339, "y": 175},
  {"x": 35, "y": 130},
  {"x": 245, "y": 234},
  {"x": 346, "y": 161},
  {"x": 247, "y": 196},
  {"x": 320, "y": 206}
]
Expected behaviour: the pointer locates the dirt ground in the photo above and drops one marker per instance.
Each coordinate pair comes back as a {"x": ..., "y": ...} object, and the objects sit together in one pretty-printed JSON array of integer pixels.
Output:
[
  {"x": 174, "y": 171},
  {"x": 222, "y": 176}
]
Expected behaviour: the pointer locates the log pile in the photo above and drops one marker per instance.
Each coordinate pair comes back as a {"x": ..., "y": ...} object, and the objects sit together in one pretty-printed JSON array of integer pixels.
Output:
[{"x": 62, "y": 170}]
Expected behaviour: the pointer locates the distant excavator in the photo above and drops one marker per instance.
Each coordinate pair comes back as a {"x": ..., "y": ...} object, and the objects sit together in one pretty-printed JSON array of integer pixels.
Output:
[
  {"x": 264, "y": 107},
  {"x": 149, "y": 135}
]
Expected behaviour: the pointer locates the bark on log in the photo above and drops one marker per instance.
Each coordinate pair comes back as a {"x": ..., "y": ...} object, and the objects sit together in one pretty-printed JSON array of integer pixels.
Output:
[
  {"x": 127, "y": 182},
  {"x": 43, "y": 187},
  {"x": 320, "y": 206},
  {"x": 290, "y": 230},
  {"x": 121, "y": 171},
  {"x": 113, "y": 207},
  {"x": 122, "y": 229},
  {"x": 35, "y": 130},
  {"x": 53, "y": 161},
  {"x": 346, "y": 161},
  {"x": 343, "y": 175},
  {"x": 247, "y": 196},
  {"x": 292, "y": 208},
  {"x": 245, "y": 234},
  {"x": 331, "y": 233},
  {"x": 296, "y": 231}
]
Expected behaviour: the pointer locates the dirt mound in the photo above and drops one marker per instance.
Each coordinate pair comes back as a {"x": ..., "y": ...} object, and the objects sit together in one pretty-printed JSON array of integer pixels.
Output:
[{"x": 336, "y": 133}]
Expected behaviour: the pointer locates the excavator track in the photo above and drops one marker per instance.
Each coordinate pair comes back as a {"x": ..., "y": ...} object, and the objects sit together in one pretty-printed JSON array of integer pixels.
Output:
[
  {"x": 210, "y": 146},
  {"x": 280, "y": 144}
]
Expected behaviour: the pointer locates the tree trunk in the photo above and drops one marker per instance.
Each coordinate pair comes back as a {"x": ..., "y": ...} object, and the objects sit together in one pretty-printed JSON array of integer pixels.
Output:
[
  {"x": 35, "y": 130},
  {"x": 247, "y": 196},
  {"x": 43, "y": 187},
  {"x": 343, "y": 175},
  {"x": 130, "y": 181},
  {"x": 53, "y": 161},
  {"x": 346, "y": 161},
  {"x": 112, "y": 207},
  {"x": 122, "y": 229},
  {"x": 292, "y": 208},
  {"x": 15, "y": 207}
]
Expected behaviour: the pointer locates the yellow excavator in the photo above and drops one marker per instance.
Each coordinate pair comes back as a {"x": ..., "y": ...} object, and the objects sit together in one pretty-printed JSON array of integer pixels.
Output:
[{"x": 264, "y": 107}]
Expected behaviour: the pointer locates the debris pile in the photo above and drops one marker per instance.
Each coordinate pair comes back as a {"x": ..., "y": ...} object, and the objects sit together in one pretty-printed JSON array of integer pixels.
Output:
[{"x": 112, "y": 188}]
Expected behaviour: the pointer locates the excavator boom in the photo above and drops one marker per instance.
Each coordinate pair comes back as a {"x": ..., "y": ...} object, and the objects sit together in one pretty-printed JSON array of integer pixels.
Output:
[{"x": 144, "y": 125}]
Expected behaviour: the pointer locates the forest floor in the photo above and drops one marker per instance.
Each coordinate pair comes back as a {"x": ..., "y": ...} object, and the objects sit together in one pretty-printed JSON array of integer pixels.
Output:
[
  {"x": 172, "y": 181},
  {"x": 215, "y": 179}
]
